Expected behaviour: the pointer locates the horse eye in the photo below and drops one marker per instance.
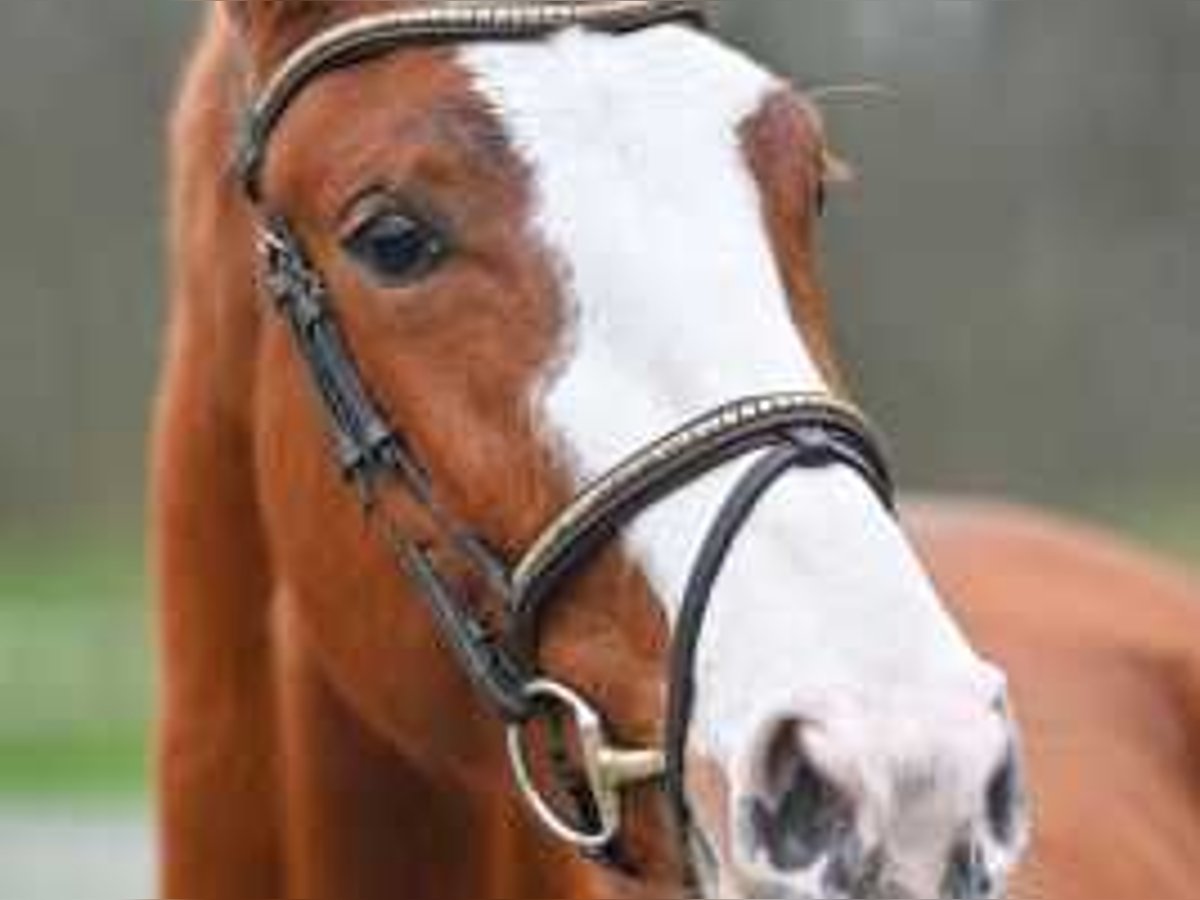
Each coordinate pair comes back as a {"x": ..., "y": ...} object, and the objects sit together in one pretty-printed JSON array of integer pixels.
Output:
[{"x": 395, "y": 248}]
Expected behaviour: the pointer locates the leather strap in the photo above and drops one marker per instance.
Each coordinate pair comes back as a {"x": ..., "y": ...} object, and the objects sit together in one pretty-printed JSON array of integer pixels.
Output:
[
  {"x": 370, "y": 453},
  {"x": 808, "y": 448},
  {"x": 366, "y": 447},
  {"x": 365, "y": 37},
  {"x": 605, "y": 508}
]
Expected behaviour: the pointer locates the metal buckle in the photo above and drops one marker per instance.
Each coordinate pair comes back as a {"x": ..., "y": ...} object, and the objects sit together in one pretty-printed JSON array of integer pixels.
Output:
[{"x": 608, "y": 769}]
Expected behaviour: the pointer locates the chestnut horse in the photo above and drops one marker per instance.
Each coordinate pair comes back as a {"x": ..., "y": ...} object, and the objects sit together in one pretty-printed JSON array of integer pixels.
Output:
[{"x": 543, "y": 254}]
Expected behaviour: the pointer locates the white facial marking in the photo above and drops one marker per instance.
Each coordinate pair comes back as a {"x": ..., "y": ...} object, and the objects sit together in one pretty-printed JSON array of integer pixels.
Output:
[{"x": 644, "y": 194}]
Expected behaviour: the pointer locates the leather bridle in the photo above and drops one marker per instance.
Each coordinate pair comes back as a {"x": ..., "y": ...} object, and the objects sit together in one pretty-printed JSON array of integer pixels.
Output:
[{"x": 786, "y": 430}]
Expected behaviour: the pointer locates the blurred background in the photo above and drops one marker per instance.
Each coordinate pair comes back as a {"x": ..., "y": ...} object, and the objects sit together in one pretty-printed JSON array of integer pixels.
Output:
[{"x": 1015, "y": 275}]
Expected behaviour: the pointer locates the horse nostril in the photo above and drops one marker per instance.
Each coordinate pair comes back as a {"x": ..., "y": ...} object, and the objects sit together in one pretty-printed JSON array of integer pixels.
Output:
[
  {"x": 967, "y": 874},
  {"x": 802, "y": 814},
  {"x": 1004, "y": 800}
]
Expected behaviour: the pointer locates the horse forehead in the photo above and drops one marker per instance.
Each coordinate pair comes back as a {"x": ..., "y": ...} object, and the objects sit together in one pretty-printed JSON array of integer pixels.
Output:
[
  {"x": 624, "y": 106},
  {"x": 645, "y": 193},
  {"x": 619, "y": 89}
]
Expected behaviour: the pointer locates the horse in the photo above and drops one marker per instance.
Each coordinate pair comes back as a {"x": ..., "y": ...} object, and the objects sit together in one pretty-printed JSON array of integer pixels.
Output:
[{"x": 601, "y": 513}]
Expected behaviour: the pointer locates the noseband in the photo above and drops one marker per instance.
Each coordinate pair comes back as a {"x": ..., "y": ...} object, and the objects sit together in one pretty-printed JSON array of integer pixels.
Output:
[{"x": 500, "y": 656}]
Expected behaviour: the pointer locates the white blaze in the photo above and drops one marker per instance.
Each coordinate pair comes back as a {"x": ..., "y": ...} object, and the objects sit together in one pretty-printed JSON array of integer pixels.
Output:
[{"x": 645, "y": 197}]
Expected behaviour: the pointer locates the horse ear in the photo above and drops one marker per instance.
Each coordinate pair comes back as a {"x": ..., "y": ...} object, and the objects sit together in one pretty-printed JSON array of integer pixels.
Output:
[{"x": 271, "y": 27}]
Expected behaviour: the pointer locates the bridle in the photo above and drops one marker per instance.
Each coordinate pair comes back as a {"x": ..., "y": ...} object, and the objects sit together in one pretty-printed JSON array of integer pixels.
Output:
[{"x": 789, "y": 430}]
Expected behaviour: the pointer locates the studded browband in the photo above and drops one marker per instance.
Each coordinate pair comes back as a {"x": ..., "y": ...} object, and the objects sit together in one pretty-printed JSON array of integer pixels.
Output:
[{"x": 367, "y": 36}]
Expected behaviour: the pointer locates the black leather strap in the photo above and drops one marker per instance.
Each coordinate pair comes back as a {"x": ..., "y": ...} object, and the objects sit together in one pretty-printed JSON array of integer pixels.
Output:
[
  {"x": 370, "y": 453},
  {"x": 480, "y": 656},
  {"x": 807, "y": 447},
  {"x": 366, "y": 446}
]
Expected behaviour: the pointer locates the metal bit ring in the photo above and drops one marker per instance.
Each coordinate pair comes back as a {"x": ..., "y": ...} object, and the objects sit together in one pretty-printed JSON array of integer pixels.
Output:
[{"x": 609, "y": 770}]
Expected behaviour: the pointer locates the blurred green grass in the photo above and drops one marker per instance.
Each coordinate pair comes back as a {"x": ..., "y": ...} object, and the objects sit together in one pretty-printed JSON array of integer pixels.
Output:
[{"x": 76, "y": 668}]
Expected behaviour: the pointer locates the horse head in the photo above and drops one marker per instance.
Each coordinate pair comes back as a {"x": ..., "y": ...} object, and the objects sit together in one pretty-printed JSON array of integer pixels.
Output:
[{"x": 544, "y": 255}]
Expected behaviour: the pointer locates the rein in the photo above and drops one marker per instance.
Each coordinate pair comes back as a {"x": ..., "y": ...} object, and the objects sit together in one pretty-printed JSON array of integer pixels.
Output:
[{"x": 791, "y": 429}]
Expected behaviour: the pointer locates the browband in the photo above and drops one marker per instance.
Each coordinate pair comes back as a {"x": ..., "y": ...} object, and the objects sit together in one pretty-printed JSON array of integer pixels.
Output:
[{"x": 449, "y": 20}]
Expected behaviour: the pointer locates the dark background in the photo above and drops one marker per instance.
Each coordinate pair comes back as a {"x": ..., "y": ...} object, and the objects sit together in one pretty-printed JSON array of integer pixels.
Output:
[{"x": 1014, "y": 272}]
